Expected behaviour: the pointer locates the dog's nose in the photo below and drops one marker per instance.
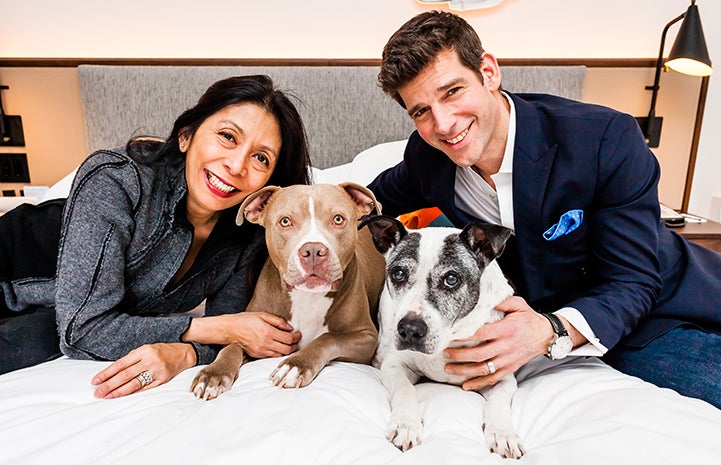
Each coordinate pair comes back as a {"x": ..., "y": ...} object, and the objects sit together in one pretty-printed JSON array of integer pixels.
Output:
[
  {"x": 411, "y": 330},
  {"x": 313, "y": 252}
]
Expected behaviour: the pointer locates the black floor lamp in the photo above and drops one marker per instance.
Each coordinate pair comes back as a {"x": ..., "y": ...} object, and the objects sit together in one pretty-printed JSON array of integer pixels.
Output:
[{"x": 688, "y": 55}]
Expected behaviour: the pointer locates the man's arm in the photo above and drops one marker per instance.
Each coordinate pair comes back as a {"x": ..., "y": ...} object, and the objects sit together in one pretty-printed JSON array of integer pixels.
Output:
[{"x": 624, "y": 229}]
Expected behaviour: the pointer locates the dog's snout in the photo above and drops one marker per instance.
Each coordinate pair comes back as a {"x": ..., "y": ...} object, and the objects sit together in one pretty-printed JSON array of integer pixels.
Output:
[
  {"x": 313, "y": 252},
  {"x": 411, "y": 330}
]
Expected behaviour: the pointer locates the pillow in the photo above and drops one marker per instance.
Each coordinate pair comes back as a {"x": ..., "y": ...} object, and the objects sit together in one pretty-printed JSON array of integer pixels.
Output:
[
  {"x": 8, "y": 203},
  {"x": 370, "y": 163},
  {"x": 61, "y": 189},
  {"x": 332, "y": 175},
  {"x": 373, "y": 161},
  {"x": 365, "y": 166}
]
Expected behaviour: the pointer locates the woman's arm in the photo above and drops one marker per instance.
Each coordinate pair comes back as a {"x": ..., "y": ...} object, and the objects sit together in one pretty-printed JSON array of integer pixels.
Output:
[
  {"x": 261, "y": 334},
  {"x": 163, "y": 362},
  {"x": 98, "y": 226}
]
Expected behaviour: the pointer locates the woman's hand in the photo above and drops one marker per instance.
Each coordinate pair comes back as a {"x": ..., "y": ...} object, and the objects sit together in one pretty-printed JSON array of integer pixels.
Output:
[
  {"x": 261, "y": 334},
  {"x": 264, "y": 335},
  {"x": 162, "y": 361}
]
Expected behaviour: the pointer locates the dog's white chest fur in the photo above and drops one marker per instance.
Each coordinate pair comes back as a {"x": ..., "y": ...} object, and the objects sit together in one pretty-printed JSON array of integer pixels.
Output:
[{"x": 308, "y": 314}]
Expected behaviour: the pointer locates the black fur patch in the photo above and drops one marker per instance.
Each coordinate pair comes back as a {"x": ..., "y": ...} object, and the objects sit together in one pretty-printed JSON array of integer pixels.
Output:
[
  {"x": 403, "y": 260},
  {"x": 454, "y": 282}
]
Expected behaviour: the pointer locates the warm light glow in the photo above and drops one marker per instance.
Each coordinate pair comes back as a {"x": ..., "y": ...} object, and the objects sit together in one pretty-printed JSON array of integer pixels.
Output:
[
  {"x": 690, "y": 67},
  {"x": 465, "y": 4}
]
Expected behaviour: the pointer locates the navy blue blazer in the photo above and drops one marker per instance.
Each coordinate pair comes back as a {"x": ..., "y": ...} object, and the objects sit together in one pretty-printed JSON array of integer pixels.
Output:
[{"x": 631, "y": 277}]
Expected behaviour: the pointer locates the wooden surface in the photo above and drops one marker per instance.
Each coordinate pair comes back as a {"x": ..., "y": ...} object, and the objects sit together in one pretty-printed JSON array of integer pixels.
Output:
[{"x": 707, "y": 234}]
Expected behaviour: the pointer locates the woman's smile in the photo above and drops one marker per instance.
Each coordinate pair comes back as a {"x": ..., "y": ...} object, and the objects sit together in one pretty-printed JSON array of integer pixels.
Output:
[{"x": 218, "y": 186}]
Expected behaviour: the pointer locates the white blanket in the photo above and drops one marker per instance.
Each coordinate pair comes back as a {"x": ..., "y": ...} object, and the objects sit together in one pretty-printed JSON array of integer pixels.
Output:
[{"x": 577, "y": 412}]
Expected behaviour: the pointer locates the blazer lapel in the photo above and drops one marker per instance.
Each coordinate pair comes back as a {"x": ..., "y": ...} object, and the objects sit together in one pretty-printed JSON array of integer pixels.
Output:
[{"x": 532, "y": 161}]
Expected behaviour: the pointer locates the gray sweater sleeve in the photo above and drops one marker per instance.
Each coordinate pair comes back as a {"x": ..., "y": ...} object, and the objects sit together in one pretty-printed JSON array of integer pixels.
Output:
[{"x": 97, "y": 227}]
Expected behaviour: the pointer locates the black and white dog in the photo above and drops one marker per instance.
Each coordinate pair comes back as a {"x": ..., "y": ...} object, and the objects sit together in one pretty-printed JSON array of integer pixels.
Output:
[{"x": 442, "y": 284}]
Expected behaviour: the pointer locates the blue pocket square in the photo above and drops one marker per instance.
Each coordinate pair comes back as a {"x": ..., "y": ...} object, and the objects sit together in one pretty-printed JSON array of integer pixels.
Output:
[{"x": 568, "y": 222}]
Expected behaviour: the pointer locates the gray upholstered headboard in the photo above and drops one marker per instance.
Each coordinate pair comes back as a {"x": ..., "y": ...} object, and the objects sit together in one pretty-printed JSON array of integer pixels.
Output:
[{"x": 343, "y": 108}]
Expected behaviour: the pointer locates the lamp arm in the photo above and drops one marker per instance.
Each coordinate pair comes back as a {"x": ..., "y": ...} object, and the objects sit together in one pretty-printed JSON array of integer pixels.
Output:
[
  {"x": 659, "y": 64},
  {"x": 3, "y": 124}
]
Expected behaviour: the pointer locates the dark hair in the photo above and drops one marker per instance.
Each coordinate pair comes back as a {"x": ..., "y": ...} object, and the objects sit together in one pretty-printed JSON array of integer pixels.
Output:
[
  {"x": 419, "y": 41},
  {"x": 293, "y": 160}
]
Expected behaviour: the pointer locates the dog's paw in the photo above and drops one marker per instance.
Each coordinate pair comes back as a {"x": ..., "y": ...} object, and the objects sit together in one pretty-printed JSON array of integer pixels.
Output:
[
  {"x": 294, "y": 372},
  {"x": 286, "y": 376},
  {"x": 405, "y": 433},
  {"x": 504, "y": 442},
  {"x": 210, "y": 383}
]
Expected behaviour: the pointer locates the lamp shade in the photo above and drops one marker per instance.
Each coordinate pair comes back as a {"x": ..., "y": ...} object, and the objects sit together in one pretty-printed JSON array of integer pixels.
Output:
[{"x": 689, "y": 54}]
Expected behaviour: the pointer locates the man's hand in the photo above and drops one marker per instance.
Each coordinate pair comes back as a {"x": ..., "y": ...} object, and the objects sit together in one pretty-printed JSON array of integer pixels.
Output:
[{"x": 509, "y": 343}]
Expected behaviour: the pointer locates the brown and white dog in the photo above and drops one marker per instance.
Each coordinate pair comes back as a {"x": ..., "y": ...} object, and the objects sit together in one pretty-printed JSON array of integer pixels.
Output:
[
  {"x": 442, "y": 284},
  {"x": 323, "y": 276}
]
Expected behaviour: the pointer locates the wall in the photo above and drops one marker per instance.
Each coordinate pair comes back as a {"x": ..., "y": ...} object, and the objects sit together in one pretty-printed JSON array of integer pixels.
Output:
[
  {"x": 354, "y": 29},
  {"x": 323, "y": 28},
  {"x": 623, "y": 89},
  {"x": 48, "y": 100},
  {"x": 706, "y": 192}
]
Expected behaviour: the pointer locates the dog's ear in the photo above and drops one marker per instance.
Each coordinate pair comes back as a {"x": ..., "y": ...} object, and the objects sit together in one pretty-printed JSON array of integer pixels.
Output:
[
  {"x": 386, "y": 231},
  {"x": 487, "y": 241},
  {"x": 363, "y": 197},
  {"x": 253, "y": 206}
]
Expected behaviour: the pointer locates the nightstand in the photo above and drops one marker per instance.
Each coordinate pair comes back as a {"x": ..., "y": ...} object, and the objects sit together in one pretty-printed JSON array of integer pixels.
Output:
[{"x": 707, "y": 234}]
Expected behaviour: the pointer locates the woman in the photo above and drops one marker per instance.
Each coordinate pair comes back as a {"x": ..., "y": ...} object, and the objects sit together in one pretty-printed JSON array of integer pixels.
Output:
[{"x": 148, "y": 234}]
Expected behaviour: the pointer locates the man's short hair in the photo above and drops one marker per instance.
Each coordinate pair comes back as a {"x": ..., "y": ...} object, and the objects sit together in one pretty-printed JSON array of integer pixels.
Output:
[{"x": 419, "y": 41}]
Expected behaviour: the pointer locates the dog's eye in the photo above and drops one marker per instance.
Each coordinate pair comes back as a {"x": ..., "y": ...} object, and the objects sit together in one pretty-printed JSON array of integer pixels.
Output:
[
  {"x": 398, "y": 275},
  {"x": 338, "y": 219},
  {"x": 451, "y": 280},
  {"x": 285, "y": 222}
]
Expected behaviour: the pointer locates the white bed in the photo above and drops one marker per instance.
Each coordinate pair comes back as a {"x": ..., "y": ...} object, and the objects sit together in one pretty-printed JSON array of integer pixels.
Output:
[{"x": 577, "y": 412}]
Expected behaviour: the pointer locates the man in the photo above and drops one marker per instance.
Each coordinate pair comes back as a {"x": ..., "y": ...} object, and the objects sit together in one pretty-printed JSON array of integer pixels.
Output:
[{"x": 578, "y": 186}]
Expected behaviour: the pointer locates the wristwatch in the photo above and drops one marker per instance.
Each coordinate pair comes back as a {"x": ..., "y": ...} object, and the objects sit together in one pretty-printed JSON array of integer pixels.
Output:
[{"x": 561, "y": 344}]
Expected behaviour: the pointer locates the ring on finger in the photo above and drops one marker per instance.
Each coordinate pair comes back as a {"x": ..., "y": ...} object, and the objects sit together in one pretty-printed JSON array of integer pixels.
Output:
[
  {"x": 145, "y": 378},
  {"x": 491, "y": 367}
]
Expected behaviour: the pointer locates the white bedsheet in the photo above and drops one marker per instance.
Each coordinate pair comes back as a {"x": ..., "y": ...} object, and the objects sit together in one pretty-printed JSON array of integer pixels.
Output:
[{"x": 576, "y": 412}]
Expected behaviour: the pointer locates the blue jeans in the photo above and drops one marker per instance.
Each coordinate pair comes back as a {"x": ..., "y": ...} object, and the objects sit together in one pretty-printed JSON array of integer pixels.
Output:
[{"x": 685, "y": 359}]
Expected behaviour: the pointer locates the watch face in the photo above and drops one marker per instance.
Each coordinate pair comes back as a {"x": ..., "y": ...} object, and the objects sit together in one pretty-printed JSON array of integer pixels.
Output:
[{"x": 561, "y": 347}]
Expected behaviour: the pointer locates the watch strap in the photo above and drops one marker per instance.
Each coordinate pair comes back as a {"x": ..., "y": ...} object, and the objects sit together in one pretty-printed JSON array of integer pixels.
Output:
[{"x": 556, "y": 324}]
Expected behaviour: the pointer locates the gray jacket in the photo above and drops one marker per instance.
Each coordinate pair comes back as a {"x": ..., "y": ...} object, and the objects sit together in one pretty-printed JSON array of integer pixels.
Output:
[{"x": 123, "y": 238}]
